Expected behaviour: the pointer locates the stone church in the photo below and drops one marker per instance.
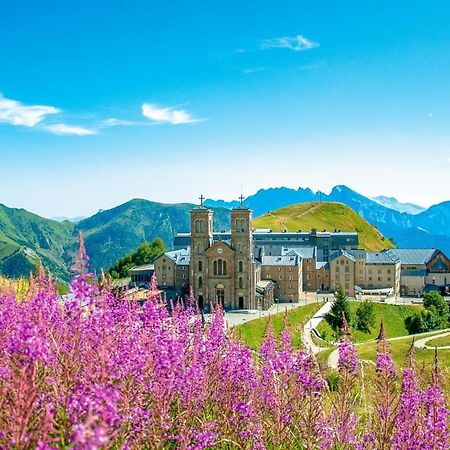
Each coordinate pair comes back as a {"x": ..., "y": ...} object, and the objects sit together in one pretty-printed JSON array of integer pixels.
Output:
[{"x": 225, "y": 270}]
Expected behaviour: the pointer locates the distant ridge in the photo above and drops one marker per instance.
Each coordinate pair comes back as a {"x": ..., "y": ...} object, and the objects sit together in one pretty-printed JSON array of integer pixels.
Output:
[
  {"x": 430, "y": 228},
  {"x": 324, "y": 216}
]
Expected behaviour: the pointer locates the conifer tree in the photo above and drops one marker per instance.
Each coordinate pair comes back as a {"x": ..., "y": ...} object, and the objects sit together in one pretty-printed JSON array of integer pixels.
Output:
[{"x": 340, "y": 308}]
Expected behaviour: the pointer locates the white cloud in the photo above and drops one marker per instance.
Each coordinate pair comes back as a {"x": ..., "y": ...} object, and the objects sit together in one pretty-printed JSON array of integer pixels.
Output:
[
  {"x": 297, "y": 43},
  {"x": 16, "y": 113},
  {"x": 167, "y": 115},
  {"x": 64, "y": 129}
]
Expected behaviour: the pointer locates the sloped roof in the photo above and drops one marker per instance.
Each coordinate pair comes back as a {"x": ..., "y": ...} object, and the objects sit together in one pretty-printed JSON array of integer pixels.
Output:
[
  {"x": 286, "y": 260},
  {"x": 180, "y": 257},
  {"x": 413, "y": 256},
  {"x": 337, "y": 253},
  {"x": 303, "y": 252},
  {"x": 380, "y": 258}
]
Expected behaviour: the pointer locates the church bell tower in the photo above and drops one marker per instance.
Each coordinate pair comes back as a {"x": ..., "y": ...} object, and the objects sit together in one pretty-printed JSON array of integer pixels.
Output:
[
  {"x": 244, "y": 267},
  {"x": 201, "y": 240}
]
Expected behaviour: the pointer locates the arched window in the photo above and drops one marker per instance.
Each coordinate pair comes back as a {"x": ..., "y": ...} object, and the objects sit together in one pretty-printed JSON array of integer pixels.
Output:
[
  {"x": 240, "y": 225},
  {"x": 240, "y": 247},
  {"x": 200, "y": 266},
  {"x": 199, "y": 225},
  {"x": 199, "y": 248},
  {"x": 241, "y": 282},
  {"x": 200, "y": 282},
  {"x": 220, "y": 267},
  {"x": 240, "y": 266}
]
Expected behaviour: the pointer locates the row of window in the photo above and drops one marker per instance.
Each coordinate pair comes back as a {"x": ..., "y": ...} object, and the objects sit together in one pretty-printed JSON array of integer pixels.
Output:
[
  {"x": 220, "y": 267},
  {"x": 240, "y": 282}
]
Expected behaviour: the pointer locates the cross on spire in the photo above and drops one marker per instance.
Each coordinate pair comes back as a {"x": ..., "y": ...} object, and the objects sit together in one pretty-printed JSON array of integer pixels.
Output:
[
  {"x": 201, "y": 198},
  {"x": 241, "y": 199}
]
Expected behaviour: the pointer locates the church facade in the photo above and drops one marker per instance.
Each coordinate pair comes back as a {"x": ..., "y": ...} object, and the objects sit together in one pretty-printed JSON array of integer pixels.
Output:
[{"x": 223, "y": 271}]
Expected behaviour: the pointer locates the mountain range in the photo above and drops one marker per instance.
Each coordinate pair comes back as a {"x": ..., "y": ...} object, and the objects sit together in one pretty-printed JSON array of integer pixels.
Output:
[
  {"x": 428, "y": 228},
  {"x": 26, "y": 237}
]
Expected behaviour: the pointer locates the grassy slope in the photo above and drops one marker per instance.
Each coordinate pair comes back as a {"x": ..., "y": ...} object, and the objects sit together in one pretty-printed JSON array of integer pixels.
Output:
[
  {"x": 21, "y": 230},
  {"x": 394, "y": 321},
  {"x": 324, "y": 216},
  {"x": 399, "y": 351},
  {"x": 252, "y": 333}
]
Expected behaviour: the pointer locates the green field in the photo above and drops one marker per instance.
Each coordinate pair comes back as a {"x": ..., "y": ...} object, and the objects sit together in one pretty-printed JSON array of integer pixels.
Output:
[
  {"x": 394, "y": 321},
  {"x": 324, "y": 216},
  {"x": 440, "y": 342},
  {"x": 252, "y": 333},
  {"x": 400, "y": 349}
]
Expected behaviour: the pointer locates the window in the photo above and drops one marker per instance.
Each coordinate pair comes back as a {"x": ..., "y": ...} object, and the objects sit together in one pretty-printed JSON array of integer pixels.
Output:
[
  {"x": 200, "y": 266},
  {"x": 337, "y": 269},
  {"x": 199, "y": 248},
  {"x": 240, "y": 266},
  {"x": 199, "y": 225},
  {"x": 241, "y": 282},
  {"x": 347, "y": 269},
  {"x": 240, "y": 225},
  {"x": 220, "y": 267},
  {"x": 240, "y": 248},
  {"x": 200, "y": 282}
]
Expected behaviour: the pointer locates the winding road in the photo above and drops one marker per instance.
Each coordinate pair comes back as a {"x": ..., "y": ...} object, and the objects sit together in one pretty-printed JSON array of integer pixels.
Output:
[{"x": 313, "y": 323}]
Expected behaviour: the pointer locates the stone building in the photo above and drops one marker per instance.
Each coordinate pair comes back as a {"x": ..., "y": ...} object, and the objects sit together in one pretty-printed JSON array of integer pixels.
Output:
[
  {"x": 286, "y": 273},
  {"x": 422, "y": 269},
  {"x": 172, "y": 269},
  {"x": 365, "y": 272}
]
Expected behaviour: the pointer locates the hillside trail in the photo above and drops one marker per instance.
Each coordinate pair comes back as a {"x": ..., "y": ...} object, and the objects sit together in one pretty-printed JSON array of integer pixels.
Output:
[
  {"x": 421, "y": 343},
  {"x": 309, "y": 211},
  {"x": 334, "y": 355},
  {"x": 314, "y": 323}
]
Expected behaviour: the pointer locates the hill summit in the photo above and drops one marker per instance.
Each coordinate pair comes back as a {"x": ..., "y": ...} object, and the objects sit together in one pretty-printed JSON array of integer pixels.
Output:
[{"x": 324, "y": 216}]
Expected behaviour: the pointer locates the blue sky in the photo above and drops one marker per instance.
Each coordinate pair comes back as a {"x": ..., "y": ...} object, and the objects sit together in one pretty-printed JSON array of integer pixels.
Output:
[{"x": 103, "y": 101}]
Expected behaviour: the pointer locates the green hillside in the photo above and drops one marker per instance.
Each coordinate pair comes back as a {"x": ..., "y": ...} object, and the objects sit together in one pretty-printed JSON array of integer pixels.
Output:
[
  {"x": 27, "y": 237},
  {"x": 109, "y": 235},
  {"x": 327, "y": 216}
]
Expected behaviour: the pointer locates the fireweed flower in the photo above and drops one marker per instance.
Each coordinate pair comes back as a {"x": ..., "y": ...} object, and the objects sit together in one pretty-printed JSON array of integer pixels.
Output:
[
  {"x": 347, "y": 359},
  {"x": 409, "y": 423},
  {"x": 99, "y": 371},
  {"x": 436, "y": 420}
]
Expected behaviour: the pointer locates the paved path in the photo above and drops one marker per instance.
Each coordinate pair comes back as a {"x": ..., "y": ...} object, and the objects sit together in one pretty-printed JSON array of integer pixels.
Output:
[
  {"x": 334, "y": 355},
  {"x": 421, "y": 343},
  {"x": 313, "y": 323}
]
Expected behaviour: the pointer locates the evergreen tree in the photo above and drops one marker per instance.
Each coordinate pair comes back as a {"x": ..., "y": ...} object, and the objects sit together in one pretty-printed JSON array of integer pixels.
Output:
[{"x": 340, "y": 306}]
